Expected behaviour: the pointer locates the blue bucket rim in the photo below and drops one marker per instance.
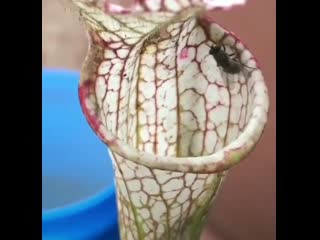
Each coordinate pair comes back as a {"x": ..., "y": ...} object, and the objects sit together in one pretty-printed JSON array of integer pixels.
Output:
[
  {"x": 79, "y": 206},
  {"x": 86, "y": 203},
  {"x": 60, "y": 69}
]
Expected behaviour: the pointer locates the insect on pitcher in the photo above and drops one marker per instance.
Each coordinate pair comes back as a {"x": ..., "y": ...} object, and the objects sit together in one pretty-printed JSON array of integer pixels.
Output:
[{"x": 160, "y": 89}]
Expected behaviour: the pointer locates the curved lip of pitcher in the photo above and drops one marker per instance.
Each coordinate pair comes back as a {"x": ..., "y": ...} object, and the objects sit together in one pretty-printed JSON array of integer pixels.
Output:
[
  {"x": 78, "y": 207},
  {"x": 222, "y": 160}
]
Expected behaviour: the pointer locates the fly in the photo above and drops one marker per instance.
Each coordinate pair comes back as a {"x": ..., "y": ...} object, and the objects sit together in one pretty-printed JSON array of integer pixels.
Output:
[{"x": 223, "y": 59}]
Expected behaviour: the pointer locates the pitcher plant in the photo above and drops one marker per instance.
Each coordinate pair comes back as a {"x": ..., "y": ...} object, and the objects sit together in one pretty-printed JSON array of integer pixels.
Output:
[{"x": 178, "y": 99}]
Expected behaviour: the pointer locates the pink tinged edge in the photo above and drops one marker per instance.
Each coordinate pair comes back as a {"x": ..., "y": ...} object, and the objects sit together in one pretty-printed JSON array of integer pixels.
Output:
[
  {"x": 84, "y": 92},
  {"x": 118, "y": 9},
  {"x": 140, "y": 6},
  {"x": 114, "y": 8},
  {"x": 223, "y": 4},
  {"x": 184, "y": 53}
]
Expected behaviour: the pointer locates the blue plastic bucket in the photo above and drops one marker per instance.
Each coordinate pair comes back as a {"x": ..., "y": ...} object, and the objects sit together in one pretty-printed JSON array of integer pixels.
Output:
[{"x": 78, "y": 194}]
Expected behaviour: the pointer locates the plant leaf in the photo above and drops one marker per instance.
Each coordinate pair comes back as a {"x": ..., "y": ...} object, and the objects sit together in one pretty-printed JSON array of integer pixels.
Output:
[{"x": 152, "y": 92}]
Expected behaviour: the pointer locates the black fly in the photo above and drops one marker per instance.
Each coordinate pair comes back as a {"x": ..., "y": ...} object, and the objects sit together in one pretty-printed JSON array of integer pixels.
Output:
[{"x": 223, "y": 59}]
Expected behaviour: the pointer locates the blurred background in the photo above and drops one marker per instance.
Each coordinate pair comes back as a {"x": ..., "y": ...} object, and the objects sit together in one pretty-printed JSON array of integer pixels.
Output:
[{"x": 245, "y": 208}]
